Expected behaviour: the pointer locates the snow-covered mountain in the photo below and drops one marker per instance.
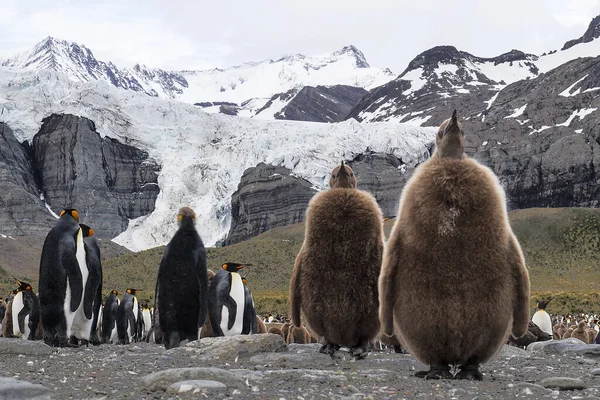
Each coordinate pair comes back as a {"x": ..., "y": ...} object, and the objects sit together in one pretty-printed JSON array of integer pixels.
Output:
[
  {"x": 249, "y": 86},
  {"x": 445, "y": 74},
  {"x": 202, "y": 156}
]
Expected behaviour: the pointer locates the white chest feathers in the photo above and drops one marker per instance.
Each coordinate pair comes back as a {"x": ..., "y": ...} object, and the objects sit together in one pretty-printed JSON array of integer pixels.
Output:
[{"x": 542, "y": 319}]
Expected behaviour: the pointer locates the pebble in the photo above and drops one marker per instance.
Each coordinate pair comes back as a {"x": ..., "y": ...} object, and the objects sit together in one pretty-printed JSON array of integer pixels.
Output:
[{"x": 563, "y": 383}]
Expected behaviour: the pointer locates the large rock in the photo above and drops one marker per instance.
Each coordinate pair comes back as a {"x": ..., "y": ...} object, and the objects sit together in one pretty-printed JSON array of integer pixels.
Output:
[
  {"x": 22, "y": 212},
  {"x": 162, "y": 380},
  {"x": 14, "y": 389},
  {"x": 268, "y": 196},
  {"x": 232, "y": 347},
  {"x": 108, "y": 182},
  {"x": 12, "y": 347}
]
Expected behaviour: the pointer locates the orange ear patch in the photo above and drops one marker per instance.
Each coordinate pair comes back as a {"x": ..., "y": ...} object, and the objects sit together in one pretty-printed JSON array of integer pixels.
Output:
[
  {"x": 75, "y": 215},
  {"x": 62, "y": 213},
  {"x": 179, "y": 217},
  {"x": 129, "y": 291},
  {"x": 28, "y": 287},
  {"x": 91, "y": 232},
  {"x": 224, "y": 266}
]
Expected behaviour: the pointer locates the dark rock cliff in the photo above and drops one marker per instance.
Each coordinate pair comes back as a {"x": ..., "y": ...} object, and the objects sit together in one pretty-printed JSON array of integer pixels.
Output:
[
  {"x": 21, "y": 210},
  {"x": 106, "y": 181},
  {"x": 593, "y": 32},
  {"x": 268, "y": 196}
]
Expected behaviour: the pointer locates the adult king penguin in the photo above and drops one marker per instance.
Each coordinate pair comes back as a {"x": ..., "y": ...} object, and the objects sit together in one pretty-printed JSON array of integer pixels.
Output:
[
  {"x": 109, "y": 318},
  {"x": 334, "y": 281},
  {"x": 249, "y": 323},
  {"x": 453, "y": 260},
  {"x": 25, "y": 313},
  {"x": 92, "y": 297},
  {"x": 182, "y": 283},
  {"x": 541, "y": 318},
  {"x": 62, "y": 270},
  {"x": 227, "y": 301},
  {"x": 128, "y": 314}
]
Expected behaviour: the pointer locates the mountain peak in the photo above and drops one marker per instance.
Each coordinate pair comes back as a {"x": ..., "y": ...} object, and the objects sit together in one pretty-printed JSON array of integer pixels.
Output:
[
  {"x": 361, "y": 61},
  {"x": 592, "y": 32}
]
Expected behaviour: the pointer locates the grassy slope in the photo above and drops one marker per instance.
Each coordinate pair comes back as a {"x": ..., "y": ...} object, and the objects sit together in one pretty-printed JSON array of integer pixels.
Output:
[{"x": 561, "y": 247}]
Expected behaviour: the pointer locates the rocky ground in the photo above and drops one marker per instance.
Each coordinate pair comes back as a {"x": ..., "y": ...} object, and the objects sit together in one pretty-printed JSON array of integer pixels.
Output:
[{"x": 263, "y": 367}]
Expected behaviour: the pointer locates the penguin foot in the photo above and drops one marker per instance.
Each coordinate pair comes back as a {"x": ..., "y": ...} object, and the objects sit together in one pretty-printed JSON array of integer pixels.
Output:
[
  {"x": 469, "y": 372},
  {"x": 359, "y": 353},
  {"x": 329, "y": 349},
  {"x": 398, "y": 349},
  {"x": 435, "y": 372}
]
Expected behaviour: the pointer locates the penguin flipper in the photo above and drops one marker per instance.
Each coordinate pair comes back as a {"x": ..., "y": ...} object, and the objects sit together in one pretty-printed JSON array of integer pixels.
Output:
[
  {"x": 228, "y": 302},
  {"x": 295, "y": 298},
  {"x": 75, "y": 280},
  {"x": 521, "y": 282}
]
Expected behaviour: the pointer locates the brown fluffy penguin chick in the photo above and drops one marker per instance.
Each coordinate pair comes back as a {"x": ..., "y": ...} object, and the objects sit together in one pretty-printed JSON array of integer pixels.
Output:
[
  {"x": 276, "y": 331},
  {"x": 7, "y": 325},
  {"x": 579, "y": 332},
  {"x": 298, "y": 335},
  {"x": 591, "y": 334},
  {"x": 207, "y": 330},
  {"x": 260, "y": 325},
  {"x": 568, "y": 332},
  {"x": 453, "y": 260},
  {"x": 285, "y": 328},
  {"x": 334, "y": 281}
]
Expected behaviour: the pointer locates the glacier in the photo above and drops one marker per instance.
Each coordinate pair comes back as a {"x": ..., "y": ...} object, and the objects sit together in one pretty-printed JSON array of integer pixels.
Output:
[{"x": 202, "y": 155}]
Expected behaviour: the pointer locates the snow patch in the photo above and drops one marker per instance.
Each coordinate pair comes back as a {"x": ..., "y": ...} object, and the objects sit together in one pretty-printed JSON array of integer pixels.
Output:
[
  {"x": 579, "y": 113},
  {"x": 567, "y": 91},
  {"x": 517, "y": 112}
]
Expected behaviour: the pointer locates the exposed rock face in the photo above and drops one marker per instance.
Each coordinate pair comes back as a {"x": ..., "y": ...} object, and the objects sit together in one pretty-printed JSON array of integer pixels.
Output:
[
  {"x": 106, "y": 181},
  {"x": 267, "y": 197},
  {"x": 382, "y": 175},
  {"x": 593, "y": 32},
  {"x": 21, "y": 210},
  {"x": 322, "y": 103}
]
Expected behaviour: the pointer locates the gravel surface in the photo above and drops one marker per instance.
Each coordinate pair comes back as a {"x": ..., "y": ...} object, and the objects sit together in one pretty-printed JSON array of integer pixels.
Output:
[{"x": 263, "y": 367}]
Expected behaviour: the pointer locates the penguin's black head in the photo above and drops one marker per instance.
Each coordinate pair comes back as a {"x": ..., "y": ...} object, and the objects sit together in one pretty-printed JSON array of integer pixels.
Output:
[
  {"x": 133, "y": 291},
  {"x": 186, "y": 214},
  {"x": 116, "y": 293},
  {"x": 342, "y": 176},
  {"x": 543, "y": 303},
  {"x": 22, "y": 286},
  {"x": 86, "y": 230},
  {"x": 450, "y": 139},
  {"x": 233, "y": 267},
  {"x": 70, "y": 211}
]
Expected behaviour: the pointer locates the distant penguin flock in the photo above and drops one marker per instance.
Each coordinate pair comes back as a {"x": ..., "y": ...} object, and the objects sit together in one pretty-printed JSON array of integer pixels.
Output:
[{"x": 449, "y": 285}]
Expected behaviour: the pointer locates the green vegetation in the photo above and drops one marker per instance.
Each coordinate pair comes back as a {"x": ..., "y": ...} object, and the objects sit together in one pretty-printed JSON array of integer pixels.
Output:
[{"x": 561, "y": 248}]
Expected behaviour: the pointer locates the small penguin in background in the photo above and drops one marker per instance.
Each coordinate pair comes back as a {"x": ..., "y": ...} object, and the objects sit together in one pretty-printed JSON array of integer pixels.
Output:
[
  {"x": 249, "y": 325},
  {"x": 127, "y": 318},
  {"x": 146, "y": 321},
  {"x": 334, "y": 280},
  {"x": 182, "y": 284},
  {"x": 580, "y": 333},
  {"x": 277, "y": 331},
  {"x": 452, "y": 240},
  {"x": 227, "y": 301},
  {"x": 533, "y": 334},
  {"x": 297, "y": 335},
  {"x": 541, "y": 318},
  {"x": 62, "y": 271},
  {"x": 25, "y": 312},
  {"x": 11, "y": 294},
  {"x": 92, "y": 297},
  {"x": 260, "y": 325},
  {"x": 109, "y": 318}
]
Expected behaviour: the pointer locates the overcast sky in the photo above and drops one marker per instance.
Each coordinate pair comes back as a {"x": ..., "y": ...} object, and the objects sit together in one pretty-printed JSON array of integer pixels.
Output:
[{"x": 177, "y": 34}]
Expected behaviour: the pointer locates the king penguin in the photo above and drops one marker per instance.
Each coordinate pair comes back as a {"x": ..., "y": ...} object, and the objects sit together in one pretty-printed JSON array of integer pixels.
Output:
[
  {"x": 227, "y": 301},
  {"x": 61, "y": 284},
  {"x": 249, "y": 324},
  {"x": 182, "y": 284},
  {"x": 25, "y": 312},
  {"x": 92, "y": 297},
  {"x": 541, "y": 318},
  {"x": 109, "y": 318},
  {"x": 127, "y": 318}
]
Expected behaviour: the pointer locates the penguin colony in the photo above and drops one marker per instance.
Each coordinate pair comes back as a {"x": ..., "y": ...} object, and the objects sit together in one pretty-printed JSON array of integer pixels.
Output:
[{"x": 451, "y": 258}]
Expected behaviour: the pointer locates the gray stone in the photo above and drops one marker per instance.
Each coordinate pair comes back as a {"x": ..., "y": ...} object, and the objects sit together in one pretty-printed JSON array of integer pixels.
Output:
[
  {"x": 232, "y": 347},
  {"x": 108, "y": 182},
  {"x": 556, "y": 346},
  {"x": 161, "y": 380},
  {"x": 563, "y": 383},
  {"x": 15, "y": 389},
  {"x": 595, "y": 371},
  {"x": 511, "y": 351},
  {"x": 25, "y": 347},
  {"x": 304, "y": 348},
  {"x": 196, "y": 385},
  {"x": 533, "y": 388},
  {"x": 292, "y": 360}
]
